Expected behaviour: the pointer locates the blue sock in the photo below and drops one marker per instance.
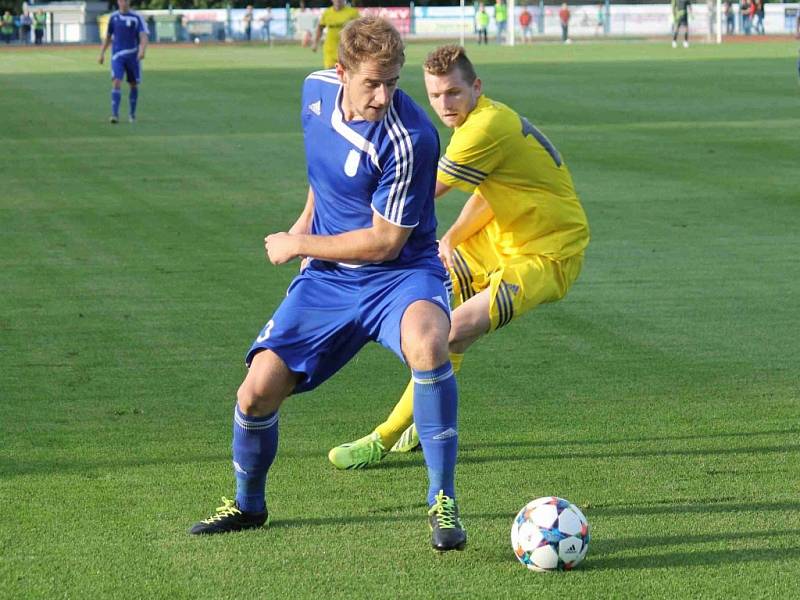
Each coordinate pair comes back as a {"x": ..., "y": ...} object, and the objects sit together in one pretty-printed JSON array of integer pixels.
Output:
[
  {"x": 255, "y": 444},
  {"x": 436, "y": 417},
  {"x": 132, "y": 98},
  {"x": 116, "y": 96}
]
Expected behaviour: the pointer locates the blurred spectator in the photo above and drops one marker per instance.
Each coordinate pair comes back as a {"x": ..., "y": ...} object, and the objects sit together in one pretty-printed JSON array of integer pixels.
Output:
[
  {"x": 482, "y": 24},
  {"x": 525, "y": 20},
  {"x": 730, "y": 18},
  {"x": 564, "y": 16},
  {"x": 744, "y": 12},
  {"x": 39, "y": 20},
  {"x": 758, "y": 11},
  {"x": 7, "y": 27},
  {"x": 304, "y": 23},
  {"x": 681, "y": 9},
  {"x": 501, "y": 20},
  {"x": 247, "y": 19},
  {"x": 184, "y": 33},
  {"x": 25, "y": 22},
  {"x": 266, "y": 25},
  {"x": 601, "y": 19}
]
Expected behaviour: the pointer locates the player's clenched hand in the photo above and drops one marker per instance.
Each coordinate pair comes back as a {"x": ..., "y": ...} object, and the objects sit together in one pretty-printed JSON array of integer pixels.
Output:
[
  {"x": 446, "y": 254},
  {"x": 101, "y": 59},
  {"x": 280, "y": 248}
]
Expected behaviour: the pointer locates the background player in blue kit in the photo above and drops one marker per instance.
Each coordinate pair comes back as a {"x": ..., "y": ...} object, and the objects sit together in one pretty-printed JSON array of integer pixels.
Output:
[
  {"x": 129, "y": 34},
  {"x": 373, "y": 274}
]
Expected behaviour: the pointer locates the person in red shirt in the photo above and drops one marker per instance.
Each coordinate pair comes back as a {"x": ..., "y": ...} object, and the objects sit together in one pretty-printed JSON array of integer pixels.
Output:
[
  {"x": 564, "y": 16},
  {"x": 753, "y": 14},
  {"x": 525, "y": 20}
]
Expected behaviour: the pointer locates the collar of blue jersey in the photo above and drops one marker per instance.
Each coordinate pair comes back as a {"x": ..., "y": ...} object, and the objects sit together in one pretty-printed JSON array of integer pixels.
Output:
[{"x": 351, "y": 135}]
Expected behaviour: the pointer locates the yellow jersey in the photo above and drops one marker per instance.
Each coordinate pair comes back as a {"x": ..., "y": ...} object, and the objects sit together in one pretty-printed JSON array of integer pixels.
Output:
[
  {"x": 334, "y": 20},
  {"x": 501, "y": 156}
]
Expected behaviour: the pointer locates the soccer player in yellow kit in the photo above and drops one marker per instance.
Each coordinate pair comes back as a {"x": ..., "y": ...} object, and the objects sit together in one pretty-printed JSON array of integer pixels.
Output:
[
  {"x": 517, "y": 243},
  {"x": 334, "y": 18}
]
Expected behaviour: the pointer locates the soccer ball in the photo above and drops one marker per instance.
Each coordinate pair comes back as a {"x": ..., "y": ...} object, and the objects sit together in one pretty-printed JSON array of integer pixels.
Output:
[{"x": 550, "y": 534}]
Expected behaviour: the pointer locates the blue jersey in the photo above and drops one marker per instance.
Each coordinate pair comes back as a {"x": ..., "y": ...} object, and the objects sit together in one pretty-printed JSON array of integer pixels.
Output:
[
  {"x": 360, "y": 167},
  {"x": 125, "y": 29}
]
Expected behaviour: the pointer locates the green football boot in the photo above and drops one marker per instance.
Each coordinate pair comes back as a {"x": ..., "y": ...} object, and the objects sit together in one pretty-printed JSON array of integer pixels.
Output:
[
  {"x": 447, "y": 532},
  {"x": 408, "y": 441},
  {"x": 364, "y": 452}
]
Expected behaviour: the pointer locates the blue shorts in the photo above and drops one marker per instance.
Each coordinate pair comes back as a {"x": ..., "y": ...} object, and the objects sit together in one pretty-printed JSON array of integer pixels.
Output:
[
  {"x": 128, "y": 66},
  {"x": 331, "y": 312}
]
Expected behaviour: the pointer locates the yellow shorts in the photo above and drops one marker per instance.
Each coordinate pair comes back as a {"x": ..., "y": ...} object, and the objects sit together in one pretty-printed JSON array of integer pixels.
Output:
[{"x": 516, "y": 283}]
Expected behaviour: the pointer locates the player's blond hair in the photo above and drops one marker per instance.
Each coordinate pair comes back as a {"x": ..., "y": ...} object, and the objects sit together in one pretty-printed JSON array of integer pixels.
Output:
[
  {"x": 370, "y": 38},
  {"x": 445, "y": 59}
]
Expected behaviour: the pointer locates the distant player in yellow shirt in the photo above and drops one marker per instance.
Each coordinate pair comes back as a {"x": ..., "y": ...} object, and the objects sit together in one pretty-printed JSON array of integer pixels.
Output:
[
  {"x": 519, "y": 239},
  {"x": 333, "y": 18}
]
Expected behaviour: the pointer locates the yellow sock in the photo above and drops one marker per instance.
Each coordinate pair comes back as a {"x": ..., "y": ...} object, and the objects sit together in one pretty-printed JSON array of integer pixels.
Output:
[
  {"x": 401, "y": 417},
  {"x": 402, "y": 414},
  {"x": 456, "y": 360}
]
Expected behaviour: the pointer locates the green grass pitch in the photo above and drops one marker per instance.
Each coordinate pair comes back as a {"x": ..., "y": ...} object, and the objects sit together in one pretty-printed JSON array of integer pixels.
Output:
[{"x": 661, "y": 395}]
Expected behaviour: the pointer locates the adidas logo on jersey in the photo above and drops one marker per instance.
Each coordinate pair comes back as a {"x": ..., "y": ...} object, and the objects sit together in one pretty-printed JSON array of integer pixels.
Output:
[{"x": 315, "y": 107}]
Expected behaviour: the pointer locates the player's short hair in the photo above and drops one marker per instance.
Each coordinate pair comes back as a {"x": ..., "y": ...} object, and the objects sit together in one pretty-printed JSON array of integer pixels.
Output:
[
  {"x": 370, "y": 38},
  {"x": 445, "y": 59}
]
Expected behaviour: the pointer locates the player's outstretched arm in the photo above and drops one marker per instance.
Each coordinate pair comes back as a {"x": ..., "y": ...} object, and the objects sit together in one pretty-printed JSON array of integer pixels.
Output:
[
  {"x": 473, "y": 217},
  {"x": 381, "y": 242}
]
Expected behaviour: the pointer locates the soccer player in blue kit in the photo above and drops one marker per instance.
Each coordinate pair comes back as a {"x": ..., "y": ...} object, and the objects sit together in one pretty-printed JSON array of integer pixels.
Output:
[
  {"x": 128, "y": 31},
  {"x": 368, "y": 232}
]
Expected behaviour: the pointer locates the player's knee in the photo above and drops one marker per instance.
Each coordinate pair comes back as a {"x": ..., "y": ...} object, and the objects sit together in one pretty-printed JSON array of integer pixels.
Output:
[
  {"x": 246, "y": 398},
  {"x": 425, "y": 348},
  {"x": 426, "y": 354},
  {"x": 255, "y": 402},
  {"x": 267, "y": 384},
  {"x": 424, "y": 332}
]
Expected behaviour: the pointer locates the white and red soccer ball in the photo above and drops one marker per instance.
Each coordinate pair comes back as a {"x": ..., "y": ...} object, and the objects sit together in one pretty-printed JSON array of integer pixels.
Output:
[{"x": 550, "y": 534}]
